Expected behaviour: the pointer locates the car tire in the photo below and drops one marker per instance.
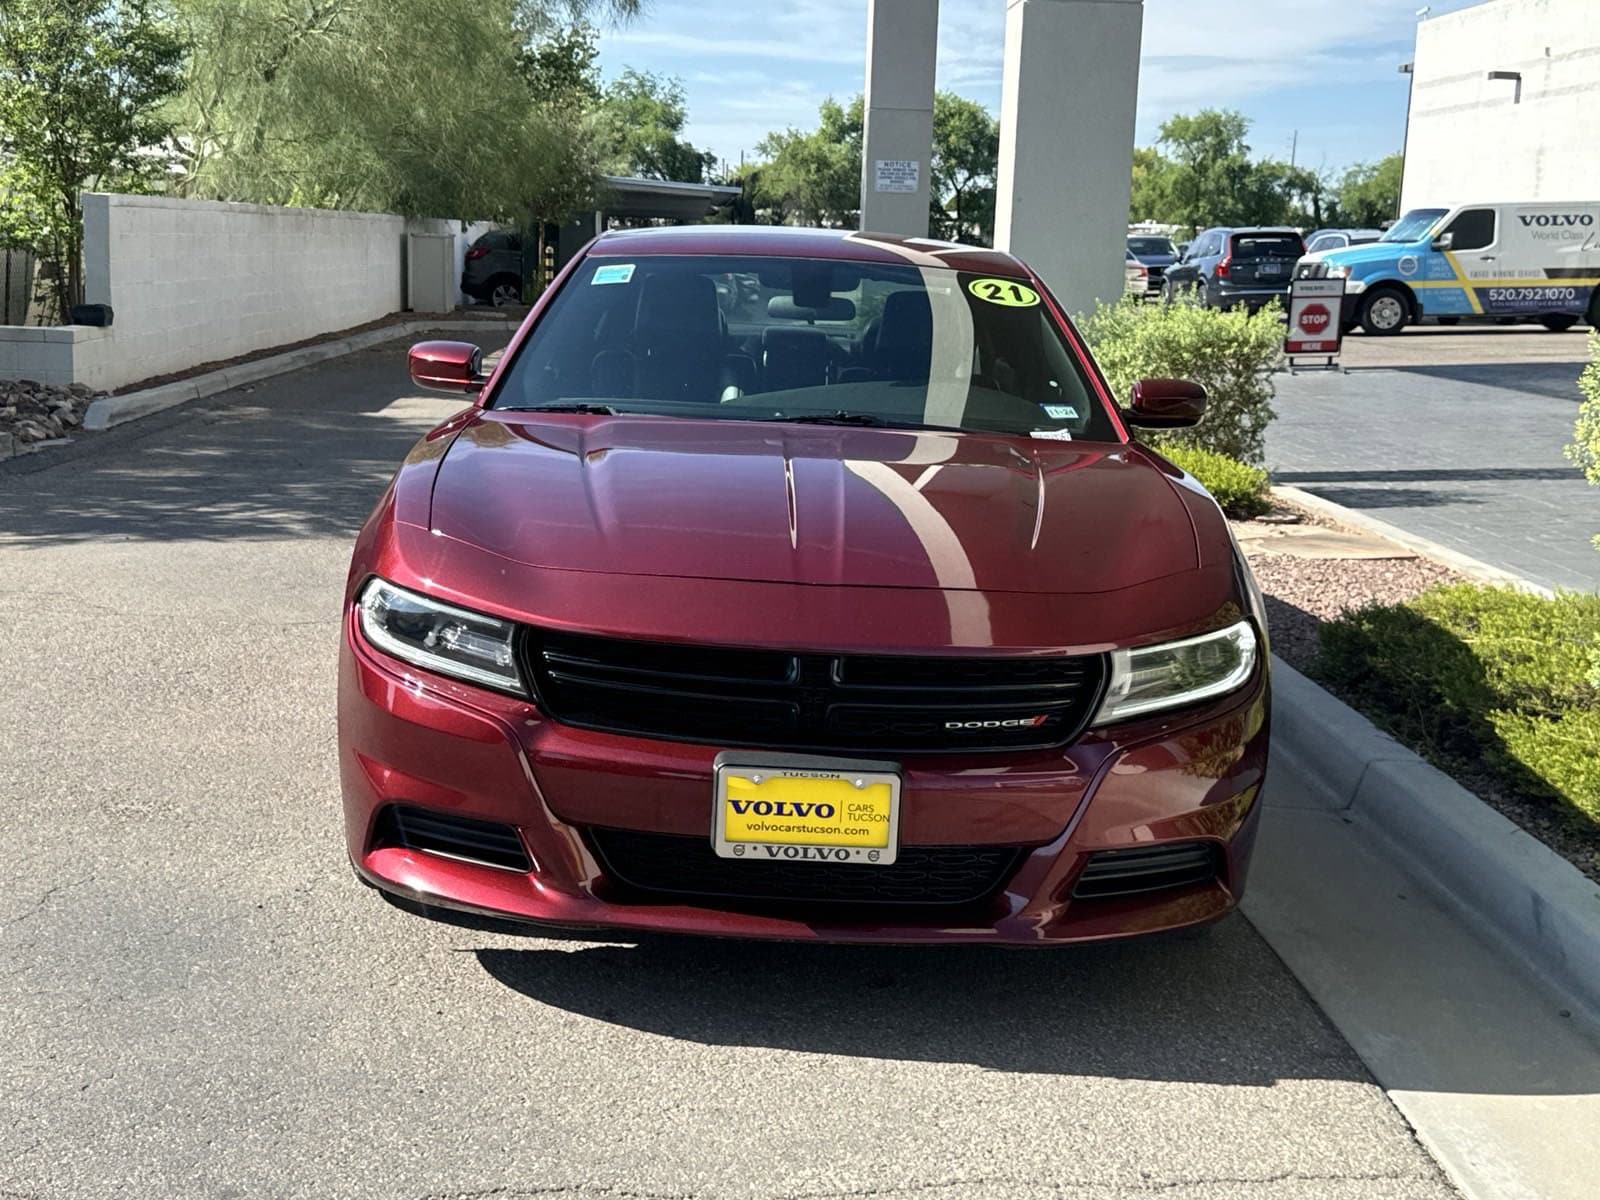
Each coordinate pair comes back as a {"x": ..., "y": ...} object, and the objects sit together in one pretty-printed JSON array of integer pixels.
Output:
[
  {"x": 1385, "y": 312},
  {"x": 1558, "y": 322},
  {"x": 504, "y": 290}
]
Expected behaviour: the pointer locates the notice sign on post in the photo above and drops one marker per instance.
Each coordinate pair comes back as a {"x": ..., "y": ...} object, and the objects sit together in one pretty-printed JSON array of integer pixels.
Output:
[
  {"x": 1314, "y": 326},
  {"x": 896, "y": 174}
]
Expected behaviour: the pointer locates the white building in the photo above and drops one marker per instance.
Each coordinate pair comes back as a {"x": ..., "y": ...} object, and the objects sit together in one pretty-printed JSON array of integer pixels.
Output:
[{"x": 1505, "y": 104}]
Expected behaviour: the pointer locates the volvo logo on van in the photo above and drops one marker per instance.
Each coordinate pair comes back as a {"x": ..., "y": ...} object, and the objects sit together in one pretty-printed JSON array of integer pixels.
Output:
[
  {"x": 1547, "y": 219},
  {"x": 1007, "y": 723}
]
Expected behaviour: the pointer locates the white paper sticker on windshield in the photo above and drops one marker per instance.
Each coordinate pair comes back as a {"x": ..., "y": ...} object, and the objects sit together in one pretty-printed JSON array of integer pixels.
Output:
[
  {"x": 612, "y": 273},
  {"x": 1061, "y": 412},
  {"x": 1054, "y": 435}
]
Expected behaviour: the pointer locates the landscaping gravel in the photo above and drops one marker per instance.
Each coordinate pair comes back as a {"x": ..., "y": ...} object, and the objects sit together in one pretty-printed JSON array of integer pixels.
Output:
[
  {"x": 1301, "y": 593},
  {"x": 32, "y": 412}
]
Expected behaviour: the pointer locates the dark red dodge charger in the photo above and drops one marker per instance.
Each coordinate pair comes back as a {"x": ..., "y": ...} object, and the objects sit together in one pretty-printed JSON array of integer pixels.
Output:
[{"x": 801, "y": 584}]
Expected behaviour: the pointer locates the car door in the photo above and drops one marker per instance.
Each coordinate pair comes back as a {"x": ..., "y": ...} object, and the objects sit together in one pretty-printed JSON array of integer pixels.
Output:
[
  {"x": 1186, "y": 270},
  {"x": 1472, "y": 239}
]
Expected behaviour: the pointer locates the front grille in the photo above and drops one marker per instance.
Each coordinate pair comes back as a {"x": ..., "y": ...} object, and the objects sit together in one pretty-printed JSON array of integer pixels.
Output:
[
  {"x": 487, "y": 842},
  {"x": 687, "y": 866},
  {"x": 782, "y": 700},
  {"x": 1147, "y": 869}
]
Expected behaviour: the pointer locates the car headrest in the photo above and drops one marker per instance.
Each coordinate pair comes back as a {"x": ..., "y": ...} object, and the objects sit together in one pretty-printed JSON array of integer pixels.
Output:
[
  {"x": 678, "y": 304},
  {"x": 907, "y": 321}
]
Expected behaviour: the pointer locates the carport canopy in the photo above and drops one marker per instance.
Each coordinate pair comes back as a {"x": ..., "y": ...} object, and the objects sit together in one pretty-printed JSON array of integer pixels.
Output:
[{"x": 663, "y": 199}]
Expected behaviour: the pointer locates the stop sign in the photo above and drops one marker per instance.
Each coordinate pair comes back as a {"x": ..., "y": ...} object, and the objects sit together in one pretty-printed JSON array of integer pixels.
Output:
[{"x": 1314, "y": 318}]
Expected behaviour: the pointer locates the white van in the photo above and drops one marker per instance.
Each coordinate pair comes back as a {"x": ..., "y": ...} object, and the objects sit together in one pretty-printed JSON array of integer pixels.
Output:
[{"x": 1486, "y": 261}]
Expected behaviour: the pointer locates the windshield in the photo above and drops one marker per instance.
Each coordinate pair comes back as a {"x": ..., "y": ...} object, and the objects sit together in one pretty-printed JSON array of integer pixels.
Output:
[
  {"x": 796, "y": 339},
  {"x": 1151, "y": 245},
  {"x": 1414, "y": 226},
  {"x": 1267, "y": 245}
]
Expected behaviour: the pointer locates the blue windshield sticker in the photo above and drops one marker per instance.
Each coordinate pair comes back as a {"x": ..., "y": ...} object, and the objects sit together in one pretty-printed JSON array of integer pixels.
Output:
[
  {"x": 612, "y": 273},
  {"x": 1061, "y": 412}
]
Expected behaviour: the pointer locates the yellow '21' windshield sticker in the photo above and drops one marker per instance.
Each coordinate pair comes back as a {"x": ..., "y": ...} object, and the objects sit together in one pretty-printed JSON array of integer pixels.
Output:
[{"x": 1004, "y": 291}]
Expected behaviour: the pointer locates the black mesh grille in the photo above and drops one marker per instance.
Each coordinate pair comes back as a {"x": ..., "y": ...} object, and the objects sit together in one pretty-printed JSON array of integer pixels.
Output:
[
  {"x": 1148, "y": 869},
  {"x": 687, "y": 866},
  {"x": 734, "y": 697},
  {"x": 457, "y": 837}
]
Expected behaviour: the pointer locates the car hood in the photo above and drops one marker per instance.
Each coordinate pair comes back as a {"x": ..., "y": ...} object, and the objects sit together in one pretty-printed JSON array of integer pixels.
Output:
[
  {"x": 1156, "y": 260},
  {"x": 735, "y": 500},
  {"x": 1369, "y": 252}
]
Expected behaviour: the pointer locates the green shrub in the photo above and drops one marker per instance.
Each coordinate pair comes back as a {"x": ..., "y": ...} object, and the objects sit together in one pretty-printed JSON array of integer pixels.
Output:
[
  {"x": 1231, "y": 354},
  {"x": 1240, "y": 488},
  {"x": 1488, "y": 677},
  {"x": 1585, "y": 447}
]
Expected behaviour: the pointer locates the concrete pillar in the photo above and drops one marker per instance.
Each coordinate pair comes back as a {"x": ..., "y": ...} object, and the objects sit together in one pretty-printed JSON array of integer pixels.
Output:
[
  {"x": 902, "y": 39},
  {"x": 1068, "y": 97}
]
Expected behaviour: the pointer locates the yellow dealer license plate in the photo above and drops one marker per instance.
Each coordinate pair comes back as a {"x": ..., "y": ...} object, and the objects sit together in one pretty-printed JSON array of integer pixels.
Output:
[{"x": 796, "y": 808}]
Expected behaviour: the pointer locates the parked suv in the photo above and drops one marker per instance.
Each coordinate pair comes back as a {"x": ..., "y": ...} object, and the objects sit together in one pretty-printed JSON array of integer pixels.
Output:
[
  {"x": 1337, "y": 239},
  {"x": 1155, "y": 253},
  {"x": 1227, "y": 267},
  {"x": 495, "y": 268}
]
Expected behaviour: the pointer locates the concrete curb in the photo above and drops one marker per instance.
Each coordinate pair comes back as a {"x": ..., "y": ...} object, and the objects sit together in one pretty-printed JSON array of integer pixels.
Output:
[
  {"x": 1464, "y": 564},
  {"x": 118, "y": 409},
  {"x": 1513, "y": 889}
]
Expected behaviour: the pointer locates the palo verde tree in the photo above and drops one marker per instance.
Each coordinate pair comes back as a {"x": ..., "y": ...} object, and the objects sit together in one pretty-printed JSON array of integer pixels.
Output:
[
  {"x": 331, "y": 103},
  {"x": 80, "y": 83}
]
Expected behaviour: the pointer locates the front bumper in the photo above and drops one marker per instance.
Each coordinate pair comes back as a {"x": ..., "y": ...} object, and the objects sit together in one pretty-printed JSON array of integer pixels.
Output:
[{"x": 410, "y": 738}]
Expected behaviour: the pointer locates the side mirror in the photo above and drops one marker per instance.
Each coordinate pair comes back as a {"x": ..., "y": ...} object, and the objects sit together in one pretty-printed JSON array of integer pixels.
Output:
[
  {"x": 1166, "y": 404},
  {"x": 1444, "y": 241},
  {"x": 447, "y": 366}
]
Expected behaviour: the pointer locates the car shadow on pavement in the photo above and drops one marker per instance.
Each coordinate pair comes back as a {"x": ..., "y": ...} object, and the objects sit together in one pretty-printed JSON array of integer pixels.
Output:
[
  {"x": 303, "y": 454},
  {"x": 1556, "y": 380},
  {"x": 1217, "y": 1007}
]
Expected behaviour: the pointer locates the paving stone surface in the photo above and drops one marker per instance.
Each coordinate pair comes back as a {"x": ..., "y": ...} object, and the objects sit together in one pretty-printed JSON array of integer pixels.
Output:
[{"x": 1453, "y": 442}]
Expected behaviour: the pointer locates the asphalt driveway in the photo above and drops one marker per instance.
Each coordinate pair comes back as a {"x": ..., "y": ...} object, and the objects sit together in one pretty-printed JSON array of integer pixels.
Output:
[{"x": 196, "y": 998}]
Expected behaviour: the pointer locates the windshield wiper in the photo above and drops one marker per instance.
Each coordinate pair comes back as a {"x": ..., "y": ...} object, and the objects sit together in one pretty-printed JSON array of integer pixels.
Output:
[
  {"x": 857, "y": 418},
  {"x": 598, "y": 410}
]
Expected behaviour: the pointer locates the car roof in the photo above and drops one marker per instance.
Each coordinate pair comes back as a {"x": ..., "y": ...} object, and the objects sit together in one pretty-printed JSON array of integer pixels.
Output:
[
  {"x": 793, "y": 242},
  {"x": 1260, "y": 229}
]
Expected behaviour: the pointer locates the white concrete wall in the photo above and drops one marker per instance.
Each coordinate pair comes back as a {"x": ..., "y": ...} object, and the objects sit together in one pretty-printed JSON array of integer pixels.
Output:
[
  {"x": 464, "y": 233},
  {"x": 194, "y": 281},
  {"x": 1068, "y": 94},
  {"x": 197, "y": 281},
  {"x": 1470, "y": 138},
  {"x": 54, "y": 354}
]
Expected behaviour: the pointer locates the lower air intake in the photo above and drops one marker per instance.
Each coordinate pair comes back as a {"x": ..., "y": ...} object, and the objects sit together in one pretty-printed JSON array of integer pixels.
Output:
[
  {"x": 687, "y": 866},
  {"x": 486, "y": 842},
  {"x": 1148, "y": 869}
]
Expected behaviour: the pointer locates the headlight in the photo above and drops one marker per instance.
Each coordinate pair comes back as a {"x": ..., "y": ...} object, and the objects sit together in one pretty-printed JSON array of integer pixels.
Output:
[
  {"x": 1176, "y": 673},
  {"x": 440, "y": 637},
  {"x": 1337, "y": 271}
]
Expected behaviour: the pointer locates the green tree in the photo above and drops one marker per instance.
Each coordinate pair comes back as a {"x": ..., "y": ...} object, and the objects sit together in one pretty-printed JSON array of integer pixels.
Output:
[
  {"x": 642, "y": 116},
  {"x": 331, "y": 103},
  {"x": 80, "y": 83},
  {"x": 1369, "y": 194},
  {"x": 1210, "y": 164},
  {"x": 1151, "y": 197},
  {"x": 560, "y": 68},
  {"x": 961, "y": 173},
  {"x": 814, "y": 178}
]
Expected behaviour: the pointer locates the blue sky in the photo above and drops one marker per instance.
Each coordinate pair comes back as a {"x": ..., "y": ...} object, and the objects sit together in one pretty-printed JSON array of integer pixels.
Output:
[{"x": 1325, "y": 69}]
